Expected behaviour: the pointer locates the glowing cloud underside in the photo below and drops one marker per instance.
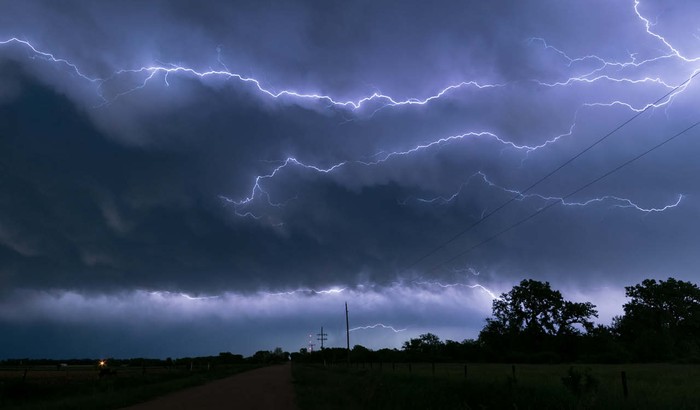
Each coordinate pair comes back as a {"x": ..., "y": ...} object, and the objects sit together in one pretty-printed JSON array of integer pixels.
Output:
[{"x": 257, "y": 201}]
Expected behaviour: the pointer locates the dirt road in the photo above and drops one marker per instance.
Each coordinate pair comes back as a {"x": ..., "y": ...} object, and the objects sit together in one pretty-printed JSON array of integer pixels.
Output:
[{"x": 266, "y": 388}]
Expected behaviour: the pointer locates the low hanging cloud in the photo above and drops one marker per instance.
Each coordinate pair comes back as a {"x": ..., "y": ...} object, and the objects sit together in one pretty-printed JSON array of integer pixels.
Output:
[{"x": 405, "y": 309}]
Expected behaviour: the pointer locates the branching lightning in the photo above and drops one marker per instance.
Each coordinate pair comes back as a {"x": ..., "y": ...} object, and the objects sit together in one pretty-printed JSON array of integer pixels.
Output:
[
  {"x": 491, "y": 294},
  {"x": 182, "y": 295},
  {"x": 148, "y": 73},
  {"x": 307, "y": 291},
  {"x": 258, "y": 192},
  {"x": 598, "y": 74},
  {"x": 50, "y": 57},
  {"x": 615, "y": 201},
  {"x": 604, "y": 70},
  {"x": 595, "y": 75},
  {"x": 648, "y": 25},
  {"x": 380, "y": 325},
  {"x": 468, "y": 270}
]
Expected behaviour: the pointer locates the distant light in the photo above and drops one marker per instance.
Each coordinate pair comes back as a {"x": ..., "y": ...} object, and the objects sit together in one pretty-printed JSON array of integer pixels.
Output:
[{"x": 103, "y": 363}]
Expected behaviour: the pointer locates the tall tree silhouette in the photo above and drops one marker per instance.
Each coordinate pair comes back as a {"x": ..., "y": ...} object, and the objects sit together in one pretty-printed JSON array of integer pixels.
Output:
[
  {"x": 533, "y": 316},
  {"x": 662, "y": 319},
  {"x": 425, "y": 347}
]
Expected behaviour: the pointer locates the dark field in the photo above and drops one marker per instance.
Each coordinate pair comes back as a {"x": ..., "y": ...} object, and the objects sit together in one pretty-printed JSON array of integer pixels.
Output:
[
  {"x": 81, "y": 387},
  {"x": 492, "y": 386}
]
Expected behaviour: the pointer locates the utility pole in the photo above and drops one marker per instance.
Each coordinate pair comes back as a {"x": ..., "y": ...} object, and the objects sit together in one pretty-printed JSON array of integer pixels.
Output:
[
  {"x": 322, "y": 337},
  {"x": 347, "y": 331}
]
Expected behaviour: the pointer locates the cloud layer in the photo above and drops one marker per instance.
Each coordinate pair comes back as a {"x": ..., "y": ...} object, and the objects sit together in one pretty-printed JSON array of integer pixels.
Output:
[{"x": 243, "y": 149}]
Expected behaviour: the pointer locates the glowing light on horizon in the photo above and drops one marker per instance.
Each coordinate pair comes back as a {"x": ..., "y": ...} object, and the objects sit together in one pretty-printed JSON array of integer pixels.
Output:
[
  {"x": 181, "y": 295},
  {"x": 330, "y": 291}
]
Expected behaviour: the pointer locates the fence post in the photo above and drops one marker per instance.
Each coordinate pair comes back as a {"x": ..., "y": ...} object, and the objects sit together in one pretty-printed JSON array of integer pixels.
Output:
[
  {"x": 625, "y": 392},
  {"x": 512, "y": 367},
  {"x": 465, "y": 371},
  {"x": 433, "y": 368},
  {"x": 409, "y": 367}
]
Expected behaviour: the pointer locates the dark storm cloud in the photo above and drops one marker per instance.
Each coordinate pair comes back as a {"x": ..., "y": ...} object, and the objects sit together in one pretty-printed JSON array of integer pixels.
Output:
[{"x": 133, "y": 194}]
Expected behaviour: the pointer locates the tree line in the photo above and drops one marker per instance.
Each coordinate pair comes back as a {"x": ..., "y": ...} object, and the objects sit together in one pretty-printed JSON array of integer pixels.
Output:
[
  {"x": 534, "y": 323},
  {"x": 224, "y": 358}
]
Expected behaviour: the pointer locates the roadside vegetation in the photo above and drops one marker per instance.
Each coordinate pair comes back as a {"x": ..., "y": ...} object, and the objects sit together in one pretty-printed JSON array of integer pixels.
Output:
[
  {"x": 112, "y": 383},
  {"x": 493, "y": 386}
]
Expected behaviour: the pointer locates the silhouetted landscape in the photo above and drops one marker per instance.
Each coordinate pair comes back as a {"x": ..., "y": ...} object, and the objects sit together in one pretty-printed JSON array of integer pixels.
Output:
[
  {"x": 533, "y": 323},
  {"x": 537, "y": 350},
  {"x": 550, "y": 355}
]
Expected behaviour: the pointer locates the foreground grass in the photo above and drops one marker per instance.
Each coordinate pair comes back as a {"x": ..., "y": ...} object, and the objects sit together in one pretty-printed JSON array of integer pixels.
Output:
[
  {"x": 126, "y": 388},
  {"x": 492, "y": 386}
]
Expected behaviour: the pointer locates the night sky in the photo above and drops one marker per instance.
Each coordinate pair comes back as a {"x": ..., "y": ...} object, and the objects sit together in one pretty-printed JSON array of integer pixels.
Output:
[{"x": 185, "y": 179}]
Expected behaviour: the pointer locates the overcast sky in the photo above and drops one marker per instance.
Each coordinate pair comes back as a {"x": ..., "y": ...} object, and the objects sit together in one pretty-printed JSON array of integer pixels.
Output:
[{"x": 181, "y": 179}]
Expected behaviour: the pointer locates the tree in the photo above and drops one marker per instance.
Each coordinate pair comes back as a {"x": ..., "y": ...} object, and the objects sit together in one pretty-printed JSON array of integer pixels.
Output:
[
  {"x": 262, "y": 356},
  {"x": 279, "y": 355},
  {"x": 532, "y": 316},
  {"x": 425, "y": 345},
  {"x": 662, "y": 319},
  {"x": 361, "y": 354},
  {"x": 534, "y": 308},
  {"x": 424, "y": 342}
]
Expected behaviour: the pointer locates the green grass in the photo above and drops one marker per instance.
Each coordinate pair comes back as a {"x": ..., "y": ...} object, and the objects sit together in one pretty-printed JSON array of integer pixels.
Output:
[
  {"x": 129, "y": 386},
  {"x": 491, "y": 386}
]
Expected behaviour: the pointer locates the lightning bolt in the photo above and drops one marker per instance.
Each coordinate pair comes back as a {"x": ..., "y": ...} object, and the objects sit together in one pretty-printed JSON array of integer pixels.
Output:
[
  {"x": 595, "y": 75},
  {"x": 603, "y": 63},
  {"x": 150, "y": 72},
  {"x": 648, "y": 25},
  {"x": 628, "y": 71},
  {"x": 469, "y": 270},
  {"x": 162, "y": 293},
  {"x": 307, "y": 291},
  {"x": 592, "y": 76},
  {"x": 605, "y": 71},
  {"x": 380, "y": 325},
  {"x": 259, "y": 192},
  {"x": 51, "y": 58},
  {"x": 617, "y": 202},
  {"x": 491, "y": 294}
]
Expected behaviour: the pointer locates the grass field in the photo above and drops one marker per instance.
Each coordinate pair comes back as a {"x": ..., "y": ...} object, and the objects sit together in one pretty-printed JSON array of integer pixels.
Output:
[
  {"x": 492, "y": 386},
  {"x": 80, "y": 387}
]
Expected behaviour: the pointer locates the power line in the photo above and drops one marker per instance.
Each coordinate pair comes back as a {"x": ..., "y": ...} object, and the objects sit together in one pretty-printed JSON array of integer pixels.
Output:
[
  {"x": 539, "y": 211},
  {"x": 539, "y": 181}
]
